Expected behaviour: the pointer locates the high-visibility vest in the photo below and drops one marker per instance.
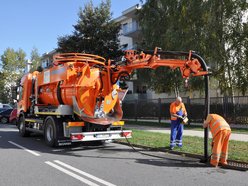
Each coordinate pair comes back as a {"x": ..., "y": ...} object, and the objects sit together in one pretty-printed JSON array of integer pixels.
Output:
[
  {"x": 176, "y": 108},
  {"x": 217, "y": 124}
]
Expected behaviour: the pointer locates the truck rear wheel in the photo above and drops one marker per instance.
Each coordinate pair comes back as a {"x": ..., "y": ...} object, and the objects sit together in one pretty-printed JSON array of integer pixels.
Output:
[
  {"x": 22, "y": 127},
  {"x": 50, "y": 131}
]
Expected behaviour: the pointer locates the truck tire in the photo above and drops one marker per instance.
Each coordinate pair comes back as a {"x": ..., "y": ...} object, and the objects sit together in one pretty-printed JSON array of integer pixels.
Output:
[
  {"x": 22, "y": 128},
  {"x": 51, "y": 132}
]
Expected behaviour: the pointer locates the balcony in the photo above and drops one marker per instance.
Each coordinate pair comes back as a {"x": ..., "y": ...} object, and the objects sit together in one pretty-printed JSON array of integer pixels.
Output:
[{"x": 131, "y": 29}]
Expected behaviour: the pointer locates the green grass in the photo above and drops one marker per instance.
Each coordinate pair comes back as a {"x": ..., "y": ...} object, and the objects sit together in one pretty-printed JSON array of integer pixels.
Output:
[
  {"x": 194, "y": 145},
  {"x": 192, "y": 127}
]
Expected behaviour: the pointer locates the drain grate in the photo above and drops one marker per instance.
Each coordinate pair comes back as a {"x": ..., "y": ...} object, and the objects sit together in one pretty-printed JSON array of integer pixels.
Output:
[{"x": 239, "y": 165}]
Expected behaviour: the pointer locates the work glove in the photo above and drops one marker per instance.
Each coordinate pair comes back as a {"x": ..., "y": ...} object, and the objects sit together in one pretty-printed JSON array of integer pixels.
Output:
[{"x": 180, "y": 119}]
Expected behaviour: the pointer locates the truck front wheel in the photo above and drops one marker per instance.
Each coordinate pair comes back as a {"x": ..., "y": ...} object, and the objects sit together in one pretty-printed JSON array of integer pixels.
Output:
[
  {"x": 50, "y": 132},
  {"x": 22, "y": 127}
]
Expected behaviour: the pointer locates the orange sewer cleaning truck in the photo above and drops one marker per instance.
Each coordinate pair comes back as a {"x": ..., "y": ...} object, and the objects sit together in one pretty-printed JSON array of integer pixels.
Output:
[{"x": 78, "y": 98}]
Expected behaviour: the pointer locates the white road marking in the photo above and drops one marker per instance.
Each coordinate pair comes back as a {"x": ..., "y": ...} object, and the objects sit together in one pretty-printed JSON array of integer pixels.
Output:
[
  {"x": 84, "y": 173},
  {"x": 58, "y": 150},
  {"x": 71, "y": 174},
  {"x": 8, "y": 129},
  {"x": 30, "y": 151}
]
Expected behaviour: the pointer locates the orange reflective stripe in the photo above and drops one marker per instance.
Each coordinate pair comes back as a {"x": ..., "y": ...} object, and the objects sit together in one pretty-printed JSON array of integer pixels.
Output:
[
  {"x": 76, "y": 124},
  {"x": 224, "y": 156},
  {"x": 217, "y": 124},
  {"x": 173, "y": 118},
  {"x": 214, "y": 126},
  {"x": 218, "y": 129},
  {"x": 215, "y": 156}
]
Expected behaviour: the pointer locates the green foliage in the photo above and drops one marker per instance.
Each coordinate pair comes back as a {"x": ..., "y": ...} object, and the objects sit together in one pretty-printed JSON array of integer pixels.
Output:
[
  {"x": 162, "y": 79},
  {"x": 2, "y": 96},
  {"x": 35, "y": 59},
  {"x": 170, "y": 24},
  {"x": 94, "y": 32},
  {"x": 13, "y": 65},
  {"x": 215, "y": 29},
  {"x": 13, "y": 61},
  {"x": 226, "y": 44}
]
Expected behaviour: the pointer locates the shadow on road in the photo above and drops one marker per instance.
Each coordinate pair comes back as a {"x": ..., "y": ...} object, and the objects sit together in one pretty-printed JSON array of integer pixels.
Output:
[
  {"x": 100, "y": 151},
  {"x": 170, "y": 163}
]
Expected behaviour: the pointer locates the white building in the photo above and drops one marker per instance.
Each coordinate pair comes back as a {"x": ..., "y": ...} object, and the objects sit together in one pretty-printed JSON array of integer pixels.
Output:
[
  {"x": 130, "y": 36},
  {"x": 130, "y": 30},
  {"x": 47, "y": 59}
]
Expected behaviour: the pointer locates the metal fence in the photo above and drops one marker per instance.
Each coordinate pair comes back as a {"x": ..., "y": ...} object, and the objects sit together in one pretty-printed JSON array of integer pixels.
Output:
[{"x": 234, "y": 109}]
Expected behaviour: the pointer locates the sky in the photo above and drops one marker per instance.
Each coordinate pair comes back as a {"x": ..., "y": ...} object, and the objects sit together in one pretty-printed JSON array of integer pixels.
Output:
[{"x": 38, "y": 23}]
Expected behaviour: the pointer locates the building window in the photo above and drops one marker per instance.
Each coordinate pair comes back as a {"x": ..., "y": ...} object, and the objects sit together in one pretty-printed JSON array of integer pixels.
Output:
[
  {"x": 125, "y": 46},
  {"x": 124, "y": 28}
]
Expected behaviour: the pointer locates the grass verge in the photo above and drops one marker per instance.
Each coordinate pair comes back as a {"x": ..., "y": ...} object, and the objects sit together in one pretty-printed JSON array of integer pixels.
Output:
[
  {"x": 193, "y": 145},
  {"x": 192, "y": 127}
]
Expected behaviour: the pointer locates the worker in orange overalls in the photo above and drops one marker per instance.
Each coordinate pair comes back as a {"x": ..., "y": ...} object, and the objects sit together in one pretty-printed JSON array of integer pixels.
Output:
[
  {"x": 221, "y": 132},
  {"x": 177, "y": 112}
]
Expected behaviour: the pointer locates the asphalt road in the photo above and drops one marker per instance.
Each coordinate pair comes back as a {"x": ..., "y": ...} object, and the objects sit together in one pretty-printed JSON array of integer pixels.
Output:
[{"x": 28, "y": 161}]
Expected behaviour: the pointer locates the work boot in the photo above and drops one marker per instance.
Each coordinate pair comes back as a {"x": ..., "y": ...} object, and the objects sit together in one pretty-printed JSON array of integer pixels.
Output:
[
  {"x": 223, "y": 164},
  {"x": 212, "y": 165}
]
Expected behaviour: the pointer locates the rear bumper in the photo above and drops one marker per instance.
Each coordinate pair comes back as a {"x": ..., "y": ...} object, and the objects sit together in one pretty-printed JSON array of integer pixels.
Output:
[{"x": 95, "y": 136}]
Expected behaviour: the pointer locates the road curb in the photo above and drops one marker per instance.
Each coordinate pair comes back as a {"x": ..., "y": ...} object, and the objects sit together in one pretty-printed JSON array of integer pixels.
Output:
[{"x": 232, "y": 164}]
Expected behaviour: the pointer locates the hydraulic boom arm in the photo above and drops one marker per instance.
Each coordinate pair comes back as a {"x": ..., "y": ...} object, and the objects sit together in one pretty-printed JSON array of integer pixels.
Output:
[{"x": 188, "y": 62}]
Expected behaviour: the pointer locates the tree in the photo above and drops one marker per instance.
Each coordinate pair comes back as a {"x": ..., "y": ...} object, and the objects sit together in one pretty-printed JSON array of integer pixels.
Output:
[
  {"x": 171, "y": 25},
  {"x": 94, "y": 32},
  {"x": 35, "y": 59},
  {"x": 242, "y": 68},
  {"x": 2, "y": 94},
  {"x": 13, "y": 65},
  {"x": 212, "y": 28},
  {"x": 226, "y": 42}
]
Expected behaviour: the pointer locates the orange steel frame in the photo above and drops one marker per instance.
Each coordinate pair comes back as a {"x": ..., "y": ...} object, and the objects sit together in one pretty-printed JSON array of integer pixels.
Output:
[{"x": 89, "y": 78}]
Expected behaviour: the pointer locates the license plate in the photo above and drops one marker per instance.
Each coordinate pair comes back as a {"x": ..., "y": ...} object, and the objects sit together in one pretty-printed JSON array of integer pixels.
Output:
[{"x": 102, "y": 135}]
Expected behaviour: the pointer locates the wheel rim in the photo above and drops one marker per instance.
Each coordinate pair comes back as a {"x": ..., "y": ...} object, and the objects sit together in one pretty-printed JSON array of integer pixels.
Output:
[
  {"x": 21, "y": 126},
  {"x": 49, "y": 133},
  {"x": 4, "y": 120}
]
